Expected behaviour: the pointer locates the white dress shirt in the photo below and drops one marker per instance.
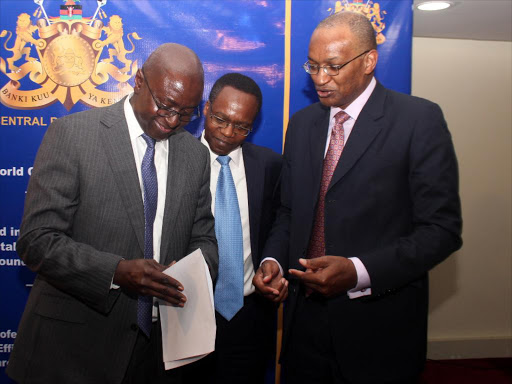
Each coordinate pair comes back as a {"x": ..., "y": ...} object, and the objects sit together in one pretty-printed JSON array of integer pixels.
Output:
[{"x": 237, "y": 167}]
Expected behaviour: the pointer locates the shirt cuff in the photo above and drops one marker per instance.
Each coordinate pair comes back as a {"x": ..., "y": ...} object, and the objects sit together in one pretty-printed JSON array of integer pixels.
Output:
[
  {"x": 112, "y": 285},
  {"x": 363, "y": 286},
  {"x": 277, "y": 262}
]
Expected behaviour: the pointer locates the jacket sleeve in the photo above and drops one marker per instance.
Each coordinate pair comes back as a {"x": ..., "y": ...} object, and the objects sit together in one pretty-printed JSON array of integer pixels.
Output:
[
  {"x": 203, "y": 229},
  {"x": 436, "y": 225},
  {"x": 45, "y": 243},
  {"x": 277, "y": 244}
]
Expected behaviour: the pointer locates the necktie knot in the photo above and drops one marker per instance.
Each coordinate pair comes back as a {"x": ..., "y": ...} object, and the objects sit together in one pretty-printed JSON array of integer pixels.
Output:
[
  {"x": 223, "y": 160},
  {"x": 340, "y": 118},
  {"x": 149, "y": 141}
]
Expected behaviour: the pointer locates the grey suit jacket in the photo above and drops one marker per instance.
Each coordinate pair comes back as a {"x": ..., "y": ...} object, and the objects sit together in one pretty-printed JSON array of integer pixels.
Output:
[{"x": 83, "y": 213}]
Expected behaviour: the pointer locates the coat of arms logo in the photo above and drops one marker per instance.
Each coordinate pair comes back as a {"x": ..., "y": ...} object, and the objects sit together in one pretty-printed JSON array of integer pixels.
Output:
[
  {"x": 368, "y": 8},
  {"x": 66, "y": 65}
]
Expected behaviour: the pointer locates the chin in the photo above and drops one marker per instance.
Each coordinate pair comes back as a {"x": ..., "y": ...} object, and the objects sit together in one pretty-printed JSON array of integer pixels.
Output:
[
  {"x": 327, "y": 102},
  {"x": 220, "y": 152}
]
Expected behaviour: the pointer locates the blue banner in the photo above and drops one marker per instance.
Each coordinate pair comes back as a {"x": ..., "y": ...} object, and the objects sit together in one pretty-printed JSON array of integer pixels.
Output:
[{"x": 60, "y": 57}]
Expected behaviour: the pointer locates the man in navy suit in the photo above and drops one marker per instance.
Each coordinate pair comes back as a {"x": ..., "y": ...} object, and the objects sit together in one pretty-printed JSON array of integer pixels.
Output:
[
  {"x": 245, "y": 337},
  {"x": 369, "y": 205}
]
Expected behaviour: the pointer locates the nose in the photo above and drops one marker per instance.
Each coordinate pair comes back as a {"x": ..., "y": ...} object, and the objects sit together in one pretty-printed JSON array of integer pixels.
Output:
[
  {"x": 321, "y": 77},
  {"x": 228, "y": 131},
  {"x": 173, "y": 121}
]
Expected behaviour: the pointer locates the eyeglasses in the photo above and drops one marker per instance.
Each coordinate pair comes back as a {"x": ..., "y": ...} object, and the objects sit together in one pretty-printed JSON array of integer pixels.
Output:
[
  {"x": 221, "y": 123},
  {"x": 331, "y": 70},
  {"x": 187, "y": 116}
]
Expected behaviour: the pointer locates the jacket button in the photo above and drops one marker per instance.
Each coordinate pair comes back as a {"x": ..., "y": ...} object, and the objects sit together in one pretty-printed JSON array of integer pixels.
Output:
[{"x": 134, "y": 327}]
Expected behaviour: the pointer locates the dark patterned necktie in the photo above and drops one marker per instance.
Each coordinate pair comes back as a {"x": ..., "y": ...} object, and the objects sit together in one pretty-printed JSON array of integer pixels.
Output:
[
  {"x": 317, "y": 241},
  {"x": 150, "y": 183}
]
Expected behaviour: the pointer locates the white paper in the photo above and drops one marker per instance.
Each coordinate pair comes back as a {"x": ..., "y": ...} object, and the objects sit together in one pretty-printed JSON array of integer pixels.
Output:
[{"x": 188, "y": 333}]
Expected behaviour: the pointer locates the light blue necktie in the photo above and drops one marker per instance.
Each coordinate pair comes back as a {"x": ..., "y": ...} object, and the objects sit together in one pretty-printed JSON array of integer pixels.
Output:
[
  {"x": 150, "y": 183},
  {"x": 229, "y": 291}
]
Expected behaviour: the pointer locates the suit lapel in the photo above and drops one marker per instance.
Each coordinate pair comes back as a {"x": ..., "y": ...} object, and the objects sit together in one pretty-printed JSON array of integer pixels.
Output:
[
  {"x": 318, "y": 139},
  {"x": 254, "y": 176},
  {"x": 118, "y": 149},
  {"x": 176, "y": 178},
  {"x": 366, "y": 128}
]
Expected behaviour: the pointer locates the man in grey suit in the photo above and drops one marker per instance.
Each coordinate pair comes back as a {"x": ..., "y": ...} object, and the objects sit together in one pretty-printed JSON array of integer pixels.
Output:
[{"x": 116, "y": 195}]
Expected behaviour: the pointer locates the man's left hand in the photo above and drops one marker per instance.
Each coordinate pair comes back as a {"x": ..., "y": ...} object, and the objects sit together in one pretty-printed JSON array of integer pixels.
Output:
[
  {"x": 269, "y": 282},
  {"x": 327, "y": 275}
]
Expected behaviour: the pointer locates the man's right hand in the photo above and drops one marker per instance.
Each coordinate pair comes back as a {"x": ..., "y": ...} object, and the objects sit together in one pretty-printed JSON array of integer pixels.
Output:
[
  {"x": 146, "y": 277},
  {"x": 270, "y": 283}
]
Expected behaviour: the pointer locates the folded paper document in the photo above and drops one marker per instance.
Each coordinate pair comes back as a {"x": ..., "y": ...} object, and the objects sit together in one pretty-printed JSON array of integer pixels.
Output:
[{"x": 188, "y": 333}]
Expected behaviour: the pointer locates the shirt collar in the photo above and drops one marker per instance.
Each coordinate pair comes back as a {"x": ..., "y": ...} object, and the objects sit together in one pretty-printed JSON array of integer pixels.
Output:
[
  {"x": 134, "y": 127},
  {"x": 355, "y": 108},
  {"x": 235, "y": 154}
]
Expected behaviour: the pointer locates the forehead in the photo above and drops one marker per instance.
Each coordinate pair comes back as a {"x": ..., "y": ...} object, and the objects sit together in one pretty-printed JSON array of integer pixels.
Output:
[
  {"x": 233, "y": 98},
  {"x": 178, "y": 88},
  {"x": 331, "y": 42}
]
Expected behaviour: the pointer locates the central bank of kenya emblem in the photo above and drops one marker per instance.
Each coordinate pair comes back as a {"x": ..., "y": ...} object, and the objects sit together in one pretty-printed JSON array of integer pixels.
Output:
[
  {"x": 68, "y": 68},
  {"x": 368, "y": 8}
]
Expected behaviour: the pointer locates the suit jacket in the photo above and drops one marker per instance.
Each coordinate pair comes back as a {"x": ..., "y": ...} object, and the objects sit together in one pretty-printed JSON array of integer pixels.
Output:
[
  {"x": 393, "y": 202},
  {"x": 251, "y": 334},
  {"x": 262, "y": 173},
  {"x": 83, "y": 213}
]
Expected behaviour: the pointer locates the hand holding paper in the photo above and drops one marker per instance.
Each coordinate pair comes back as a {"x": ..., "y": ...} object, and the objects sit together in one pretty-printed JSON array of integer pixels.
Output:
[{"x": 188, "y": 333}]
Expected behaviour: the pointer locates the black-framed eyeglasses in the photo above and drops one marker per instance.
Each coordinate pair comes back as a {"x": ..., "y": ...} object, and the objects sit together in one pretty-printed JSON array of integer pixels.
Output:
[
  {"x": 222, "y": 123},
  {"x": 331, "y": 70},
  {"x": 188, "y": 115}
]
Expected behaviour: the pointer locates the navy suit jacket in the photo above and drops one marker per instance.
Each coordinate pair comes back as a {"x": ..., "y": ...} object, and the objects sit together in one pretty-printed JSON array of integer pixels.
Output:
[
  {"x": 393, "y": 202},
  {"x": 262, "y": 172},
  {"x": 252, "y": 333}
]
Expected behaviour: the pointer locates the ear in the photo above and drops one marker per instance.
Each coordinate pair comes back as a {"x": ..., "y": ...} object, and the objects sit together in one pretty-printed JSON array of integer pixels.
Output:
[
  {"x": 371, "y": 61},
  {"x": 138, "y": 81},
  {"x": 206, "y": 108}
]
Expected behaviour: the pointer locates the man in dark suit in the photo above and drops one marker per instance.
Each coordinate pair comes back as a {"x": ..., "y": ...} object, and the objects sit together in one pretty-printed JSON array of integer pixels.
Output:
[
  {"x": 360, "y": 231},
  {"x": 116, "y": 195},
  {"x": 246, "y": 329}
]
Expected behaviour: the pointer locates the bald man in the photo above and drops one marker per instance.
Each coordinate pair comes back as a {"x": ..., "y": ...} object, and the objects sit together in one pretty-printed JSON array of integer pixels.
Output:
[
  {"x": 369, "y": 205},
  {"x": 117, "y": 194}
]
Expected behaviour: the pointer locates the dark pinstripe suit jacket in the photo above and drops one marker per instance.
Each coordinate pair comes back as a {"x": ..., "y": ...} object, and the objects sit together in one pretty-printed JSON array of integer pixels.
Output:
[{"x": 83, "y": 213}]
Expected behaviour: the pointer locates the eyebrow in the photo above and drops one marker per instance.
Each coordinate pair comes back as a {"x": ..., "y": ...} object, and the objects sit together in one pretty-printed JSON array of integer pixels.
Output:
[
  {"x": 224, "y": 117},
  {"x": 173, "y": 103},
  {"x": 328, "y": 59}
]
